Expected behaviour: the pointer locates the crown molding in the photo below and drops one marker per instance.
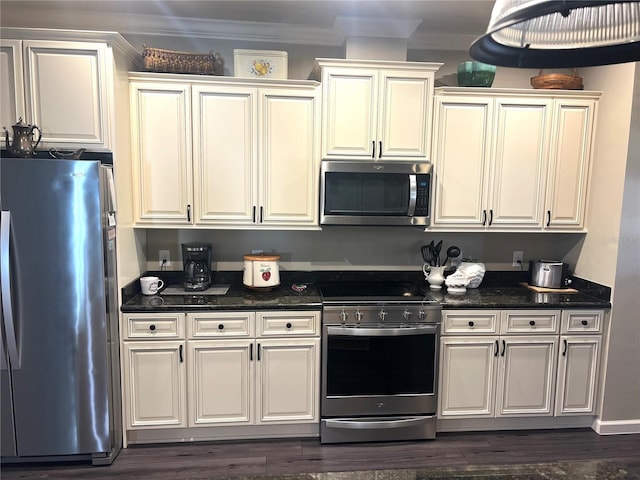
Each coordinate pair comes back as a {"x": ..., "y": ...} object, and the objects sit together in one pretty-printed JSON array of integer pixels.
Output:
[{"x": 376, "y": 27}]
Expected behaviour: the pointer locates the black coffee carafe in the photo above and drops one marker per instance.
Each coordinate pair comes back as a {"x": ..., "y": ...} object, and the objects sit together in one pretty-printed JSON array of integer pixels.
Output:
[{"x": 196, "y": 259}]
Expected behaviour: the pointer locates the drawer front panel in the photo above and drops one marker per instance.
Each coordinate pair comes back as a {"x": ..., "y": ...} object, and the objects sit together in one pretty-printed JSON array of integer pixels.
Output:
[
  {"x": 523, "y": 321},
  {"x": 222, "y": 324},
  {"x": 470, "y": 321},
  {"x": 288, "y": 323},
  {"x": 153, "y": 326},
  {"x": 582, "y": 321}
]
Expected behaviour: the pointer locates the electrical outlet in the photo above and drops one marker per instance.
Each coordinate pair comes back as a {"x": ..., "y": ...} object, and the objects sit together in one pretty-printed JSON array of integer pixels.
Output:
[
  {"x": 165, "y": 258},
  {"x": 517, "y": 258}
]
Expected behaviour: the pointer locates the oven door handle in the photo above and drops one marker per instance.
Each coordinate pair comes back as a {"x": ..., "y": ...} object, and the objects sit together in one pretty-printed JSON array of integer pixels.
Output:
[
  {"x": 375, "y": 424},
  {"x": 383, "y": 332}
]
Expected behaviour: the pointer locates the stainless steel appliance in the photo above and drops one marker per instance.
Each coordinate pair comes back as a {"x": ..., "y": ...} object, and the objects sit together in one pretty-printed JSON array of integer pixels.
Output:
[
  {"x": 375, "y": 193},
  {"x": 196, "y": 259},
  {"x": 379, "y": 362},
  {"x": 60, "y": 374},
  {"x": 548, "y": 274}
]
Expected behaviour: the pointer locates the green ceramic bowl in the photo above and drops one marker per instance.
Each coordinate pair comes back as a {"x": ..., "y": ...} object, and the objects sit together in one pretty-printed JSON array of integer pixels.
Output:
[{"x": 475, "y": 74}]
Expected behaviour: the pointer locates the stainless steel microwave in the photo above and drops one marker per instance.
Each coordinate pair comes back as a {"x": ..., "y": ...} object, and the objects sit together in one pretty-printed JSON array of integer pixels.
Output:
[{"x": 375, "y": 193}]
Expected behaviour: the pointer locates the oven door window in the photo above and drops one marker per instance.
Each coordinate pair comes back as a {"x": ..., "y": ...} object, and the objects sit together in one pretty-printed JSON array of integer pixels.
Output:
[
  {"x": 380, "y": 365},
  {"x": 362, "y": 194}
]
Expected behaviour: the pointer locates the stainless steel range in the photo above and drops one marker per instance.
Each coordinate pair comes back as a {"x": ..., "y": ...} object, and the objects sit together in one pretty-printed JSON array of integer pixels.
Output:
[{"x": 379, "y": 362}]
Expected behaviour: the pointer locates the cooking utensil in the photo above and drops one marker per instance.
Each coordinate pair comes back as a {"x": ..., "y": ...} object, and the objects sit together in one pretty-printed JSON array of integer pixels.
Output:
[
  {"x": 436, "y": 253},
  {"x": 452, "y": 252},
  {"x": 426, "y": 254}
]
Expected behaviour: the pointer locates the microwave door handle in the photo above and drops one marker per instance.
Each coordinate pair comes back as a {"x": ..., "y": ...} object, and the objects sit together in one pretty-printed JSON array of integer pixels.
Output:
[{"x": 413, "y": 195}]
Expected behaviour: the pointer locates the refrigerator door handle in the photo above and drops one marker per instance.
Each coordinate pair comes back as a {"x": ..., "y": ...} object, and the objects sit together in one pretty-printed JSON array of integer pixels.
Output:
[{"x": 7, "y": 307}]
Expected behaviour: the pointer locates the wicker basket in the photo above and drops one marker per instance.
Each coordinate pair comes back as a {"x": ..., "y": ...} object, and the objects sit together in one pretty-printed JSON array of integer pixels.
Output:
[
  {"x": 157, "y": 60},
  {"x": 559, "y": 81}
]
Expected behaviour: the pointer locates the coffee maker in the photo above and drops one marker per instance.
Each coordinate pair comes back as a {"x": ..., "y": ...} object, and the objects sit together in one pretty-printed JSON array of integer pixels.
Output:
[{"x": 196, "y": 259}]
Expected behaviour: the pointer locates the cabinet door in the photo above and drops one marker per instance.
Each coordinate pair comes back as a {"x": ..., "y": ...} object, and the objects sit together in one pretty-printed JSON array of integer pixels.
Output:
[
  {"x": 161, "y": 153},
  {"x": 225, "y": 155},
  {"x": 404, "y": 120},
  {"x": 66, "y": 92},
  {"x": 570, "y": 159},
  {"x": 577, "y": 375},
  {"x": 519, "y": 165},
  {"x": 221, "y": 379},
  {"x": 288, "y": 157},
  {"x": 11, "y": 85},
  {"x": 288, "y": 383},
  {"x": 350, "y": 106},
  {"x": 461, "y": 156},
  {"x": 526, "y": 375},
  {"x": 467, "y": 376},
  {"x": 155, "y": 384}
]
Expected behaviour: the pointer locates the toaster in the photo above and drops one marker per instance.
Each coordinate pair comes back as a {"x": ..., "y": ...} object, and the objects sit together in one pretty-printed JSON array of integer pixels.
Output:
[{"x": 548, "y": 274}]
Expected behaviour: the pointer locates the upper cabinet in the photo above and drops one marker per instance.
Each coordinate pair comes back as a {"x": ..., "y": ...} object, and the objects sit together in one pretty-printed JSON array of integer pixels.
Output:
[
  {"x": 373, "y": 110},
  {"x": 225, "y": 152},
  {"x": 64, "y": 87},
  {"x": 511, "y": 160}
]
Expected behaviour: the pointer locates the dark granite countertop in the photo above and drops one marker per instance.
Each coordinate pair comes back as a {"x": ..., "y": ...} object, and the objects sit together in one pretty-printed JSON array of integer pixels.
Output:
[{"x": 499, "y": 290}]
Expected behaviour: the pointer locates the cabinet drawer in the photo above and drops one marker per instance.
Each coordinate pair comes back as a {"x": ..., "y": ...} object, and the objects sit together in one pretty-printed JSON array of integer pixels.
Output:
[
  {"x": 153, "y": 326},
  {"x": 524, "y": 321},
  {"x": 582, "y": 321},
  {"x": 288, "y": 323},
  {"x": 221, "y": 324},
  {"x": 470, "y": 321}
]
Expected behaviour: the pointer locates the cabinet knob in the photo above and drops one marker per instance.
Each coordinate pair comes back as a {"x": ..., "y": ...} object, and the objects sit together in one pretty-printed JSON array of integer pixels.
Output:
[
  {"x": 221, "y": 327},
  {"x": 584, "y": 322},
  {"x": 471, "y": 324},
  {"x": 289, "y": 325},
  {"x": 532, "y": 322},
  {"x": 152, "y": 327}
]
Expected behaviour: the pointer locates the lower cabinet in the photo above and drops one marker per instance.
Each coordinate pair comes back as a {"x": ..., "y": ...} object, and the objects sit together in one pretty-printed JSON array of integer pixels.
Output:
[
  {"x": 516, "y": 363},
  {"x": 222, "y": 369}
]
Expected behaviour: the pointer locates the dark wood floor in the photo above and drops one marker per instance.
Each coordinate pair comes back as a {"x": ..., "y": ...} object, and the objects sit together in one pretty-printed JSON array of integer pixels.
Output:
[{"x": 299, "y": 457}]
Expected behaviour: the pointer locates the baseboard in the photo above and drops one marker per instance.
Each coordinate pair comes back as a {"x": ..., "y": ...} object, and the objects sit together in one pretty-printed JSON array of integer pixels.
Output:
[{"x": 616, "y": 427}]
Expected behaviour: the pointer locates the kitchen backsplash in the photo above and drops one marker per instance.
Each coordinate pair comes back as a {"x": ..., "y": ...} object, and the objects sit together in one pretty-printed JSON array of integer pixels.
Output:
[{"x": 359, "y": 248}]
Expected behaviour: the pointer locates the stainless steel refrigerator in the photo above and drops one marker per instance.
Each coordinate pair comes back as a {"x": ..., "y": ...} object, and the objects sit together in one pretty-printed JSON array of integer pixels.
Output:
[{"x": 60, "y": 389}]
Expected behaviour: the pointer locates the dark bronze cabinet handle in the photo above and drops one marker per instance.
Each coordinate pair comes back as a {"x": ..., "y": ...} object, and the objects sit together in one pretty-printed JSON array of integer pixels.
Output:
[
  {"x": 484, "y": 217},
  {"x": 289, "y": 325},
  {"x": 497, "y": 349},
  {"x": 504, "y": 348},
  {"x": 490, "y": 216},
  {"x": 261, "y": 212},
  {"x": 532, "y": 322},
  {"x": 251, "y": 352},
  {"x": 254, "y": 214},
  {"x": 221, "y": 326},
  {"x": 258, "y": 352},
  {"x": 380, "y": 149},
  {"x": 180, "y": 353},
  {"x": 373, "y": 145},
  {"x": 188, "y": 213},
  {"x": 564, "y": 352},
  {"x": 584, "y": 322},
  {"x": 548, "y": 217},
  {"x": 471, "y": 324},
  {"x": 152, "y": 327}
]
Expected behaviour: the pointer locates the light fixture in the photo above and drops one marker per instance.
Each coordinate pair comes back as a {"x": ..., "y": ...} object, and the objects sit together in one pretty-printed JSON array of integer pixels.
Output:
[{"x": 560, "y": 33}]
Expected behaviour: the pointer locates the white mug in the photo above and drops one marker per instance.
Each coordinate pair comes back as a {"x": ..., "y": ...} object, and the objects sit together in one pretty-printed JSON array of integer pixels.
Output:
[{"x": 150, "y": 285}]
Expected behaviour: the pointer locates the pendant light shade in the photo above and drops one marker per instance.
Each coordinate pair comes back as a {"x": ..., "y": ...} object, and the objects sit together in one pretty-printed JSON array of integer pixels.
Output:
[{"x": 560, "y": 33}]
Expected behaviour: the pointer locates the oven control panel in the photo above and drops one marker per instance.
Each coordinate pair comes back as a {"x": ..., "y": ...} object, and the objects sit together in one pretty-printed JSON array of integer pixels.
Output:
[{"x": 381, "y": 314}]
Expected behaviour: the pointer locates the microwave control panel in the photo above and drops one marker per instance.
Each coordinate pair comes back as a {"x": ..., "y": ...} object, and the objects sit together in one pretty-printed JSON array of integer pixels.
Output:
[{"x": 422, "y": 195}]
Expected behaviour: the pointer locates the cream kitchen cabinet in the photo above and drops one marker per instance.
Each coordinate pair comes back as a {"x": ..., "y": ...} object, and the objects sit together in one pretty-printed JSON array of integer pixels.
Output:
[
  {"x": 153, "y": 370},
  {"x": 511, "y": 160},
  {"x": 256, "y": 164},
  {"x": 497, "y": 363},
  {"x": 62, "y": 86},
  {"x": 253, "y": 368},
  {"x": 374, "y": 110},
  {"x": 225, "y": 153},
  {"x": 578, "y": 361}
]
